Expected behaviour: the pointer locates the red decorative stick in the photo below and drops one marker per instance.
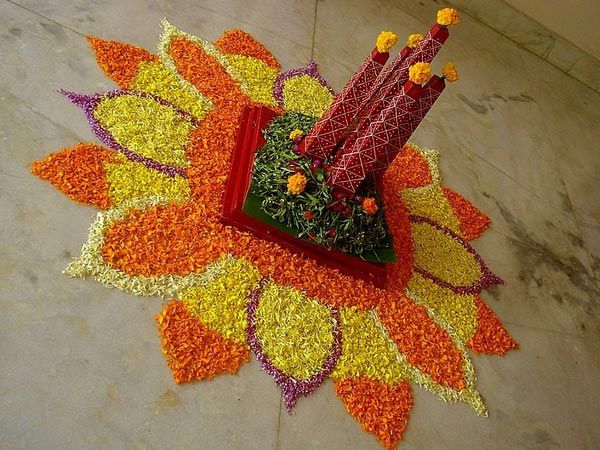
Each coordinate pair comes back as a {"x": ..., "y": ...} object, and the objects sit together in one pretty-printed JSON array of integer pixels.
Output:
[
  {"x": 374, "y": 150},
  {"x": 329, "y": 130},
  {"x": 393, "y": 77}
]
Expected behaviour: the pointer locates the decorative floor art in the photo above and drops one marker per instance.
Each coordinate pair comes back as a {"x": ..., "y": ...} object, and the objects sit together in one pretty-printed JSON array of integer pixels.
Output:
[{"x": 168, "y": 133}]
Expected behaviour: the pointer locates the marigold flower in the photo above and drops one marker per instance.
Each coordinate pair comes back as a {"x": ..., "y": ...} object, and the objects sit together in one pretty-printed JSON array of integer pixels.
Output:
[
  {"x": 419, "y": 73},
  {"x": 448, "y": 16},
  {"x": 296, "y": 133},
  {"x": 296, "y": 184},
  {"x": 414, "y": 39},
  {"x": 449, "y": 72},
  {"x": 369, "y": 205},
  {"x": 385, "y": 41}
]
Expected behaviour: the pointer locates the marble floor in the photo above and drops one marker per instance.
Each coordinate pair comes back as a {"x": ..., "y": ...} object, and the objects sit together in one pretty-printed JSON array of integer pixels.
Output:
[{"x": 80, "y": 365}]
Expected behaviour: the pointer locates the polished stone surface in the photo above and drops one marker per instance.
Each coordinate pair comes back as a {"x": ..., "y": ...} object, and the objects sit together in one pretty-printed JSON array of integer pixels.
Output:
[{"x": 81, "y": 365}]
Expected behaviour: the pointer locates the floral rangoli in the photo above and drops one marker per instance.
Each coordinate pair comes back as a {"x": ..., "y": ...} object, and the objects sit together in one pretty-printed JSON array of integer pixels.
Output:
[{"x": 158, "y": 179}]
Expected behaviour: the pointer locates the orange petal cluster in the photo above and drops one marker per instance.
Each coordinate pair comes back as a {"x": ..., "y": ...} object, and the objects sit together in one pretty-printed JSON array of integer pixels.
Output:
[
  {"x": 381, "y": 409},
  {"x": 79, "y": 173},
  {"x": 120, "y": 62},
  {"x": 238, "y": 42},
  {"x": 491, "y": 338},
  {"x": 425, "y": 344},
  {"x": 472, "y": 221},
  {"x": 408, "y": 170},
  {"x": 194, "y": 351}
]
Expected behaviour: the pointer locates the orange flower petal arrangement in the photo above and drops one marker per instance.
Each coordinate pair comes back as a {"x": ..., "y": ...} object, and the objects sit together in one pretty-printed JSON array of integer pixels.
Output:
[{"x": 335, "y": 169}]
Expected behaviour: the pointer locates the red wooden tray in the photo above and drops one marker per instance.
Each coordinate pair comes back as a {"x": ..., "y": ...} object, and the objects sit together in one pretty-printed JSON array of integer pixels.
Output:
[{"x": 250, "y": 139}]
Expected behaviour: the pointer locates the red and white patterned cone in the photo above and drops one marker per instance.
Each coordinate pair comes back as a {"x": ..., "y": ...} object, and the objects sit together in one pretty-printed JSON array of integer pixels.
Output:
[
  {"x": 374, "y": 150},
  {"x": 320, "y": 142},
  {"x": 392, "y": 79}
]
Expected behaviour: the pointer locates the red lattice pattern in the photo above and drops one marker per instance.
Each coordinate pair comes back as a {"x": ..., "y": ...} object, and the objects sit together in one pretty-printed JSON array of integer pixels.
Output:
[
  {"x": 375, "y": 149},
  {"x": 328, "y": 131}
]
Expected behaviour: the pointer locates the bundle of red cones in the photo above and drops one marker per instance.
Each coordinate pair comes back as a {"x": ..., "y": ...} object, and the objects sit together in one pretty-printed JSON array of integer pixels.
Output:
[{"x": 380, "y": 107}]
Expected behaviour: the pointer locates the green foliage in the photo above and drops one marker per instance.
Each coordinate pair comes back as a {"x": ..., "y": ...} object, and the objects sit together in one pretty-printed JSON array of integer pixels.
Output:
[{"x": 350, "y": 229}]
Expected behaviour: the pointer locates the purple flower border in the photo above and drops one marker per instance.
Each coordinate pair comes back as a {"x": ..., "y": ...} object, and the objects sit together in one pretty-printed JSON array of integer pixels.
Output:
[
  {"x": 88, "y": 103},
  {"x": 311, "y": 70},
  {"x": 487, "y": 279},
  {"x": 291, "y": 388}
]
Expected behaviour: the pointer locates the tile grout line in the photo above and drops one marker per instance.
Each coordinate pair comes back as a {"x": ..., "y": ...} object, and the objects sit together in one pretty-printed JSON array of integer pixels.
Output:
[
  {"x": 278, "y": 424},
  {"x": 44, "y": 17},
  {"x": 312, "y": 46}
]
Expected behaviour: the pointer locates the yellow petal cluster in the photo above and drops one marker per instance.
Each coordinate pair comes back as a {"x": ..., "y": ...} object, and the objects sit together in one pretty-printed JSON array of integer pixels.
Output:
[
  {"x": 296, "y": 133},
  {"x": 385, "y": 41},
  {"x": 449, "y": 72},
  {"x": 296, "y": 184},
  {"x": 448, "y": 16},
  {"x": 419, "y": 73},
  {"x": 413, "y": 40}
]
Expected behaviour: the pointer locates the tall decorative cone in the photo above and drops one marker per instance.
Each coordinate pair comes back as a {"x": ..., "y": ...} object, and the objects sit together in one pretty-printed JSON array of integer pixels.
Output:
[
  {"x": 375, "y": 149},
  {"x": 329, "y": 130},
  {"x": 392, "y": 79}
]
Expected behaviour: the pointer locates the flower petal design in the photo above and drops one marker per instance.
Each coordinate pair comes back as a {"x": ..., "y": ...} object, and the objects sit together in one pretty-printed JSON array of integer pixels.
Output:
[
  {"x": 367, "y": 351},
  {"x": 410, "y": 169},
  {"x": 221, "y": 302},
  {"x": 120, "y": 62},
  {"x": 457, "y": 310},
  {"x": 426, "y": 344},
  {"x": 294, "y": 320},
  {"x": 381, "y": 409},
  {"x": 303, "y": 90},
  {"x": 155, "y": 78},
  {"x": 194, "y": 351},
  {"x": 473, "y": 222},
  {"x": 257, "y": 76},
  {"x": 128, "y": 180},
  {"x": 238, "y": 42},
  {"x": 447, "y": 259},
  {"x": 491, "y": 338},
  {"x": 92, "y": 262},
  {"x": 79, "y": 173},
  {"x": 200, "y": 64},
  {"x": 143, "y": 127}
]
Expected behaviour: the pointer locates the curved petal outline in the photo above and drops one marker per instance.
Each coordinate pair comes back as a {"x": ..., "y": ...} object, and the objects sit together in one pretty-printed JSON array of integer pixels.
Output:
[
  {"x": 311, "y": 70},
  {"x": 90, "y": 262},
  {"x": 487, "y": 277},
  {"x": 291, "y": 388},
  {"x": 88, "y": 104}
]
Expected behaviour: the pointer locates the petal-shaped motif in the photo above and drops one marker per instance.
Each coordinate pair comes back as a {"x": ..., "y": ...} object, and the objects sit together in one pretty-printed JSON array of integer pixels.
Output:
[
  {"x": 455, "y": 310},
  {"x": 221, "y": 302},
  {"x": 447, "y": 259},
  {"x": 238, "y": 42},
  {"x": 120, "y": 62},
  {"x": 155, "y": 78},
  {"x": 201, "y": 64},
  {"x": 79, "y": 173},
  {"x": 257, "y": 76},
  {"x": 381, "y": 409},
  {"x": 128, "y": 180},
  {"x": 367, "y": 351},
  {"x": 472, "y": 221},
  {"x": 302, "y": 333},
  {"x": 303, "y": 90},
  {"x": 194, "y": 351},
  {"x": 145, "y": 128},
  {"x": 491, "y": 338},
  {"x": 426, "y": 345},
  {"x": 92, "y": 262}
]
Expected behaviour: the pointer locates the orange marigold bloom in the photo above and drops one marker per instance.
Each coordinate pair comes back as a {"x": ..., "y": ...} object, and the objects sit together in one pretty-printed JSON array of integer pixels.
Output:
[
  {"x": 449, "y": 71},
  {"x": 296, "y": 184},
  {"x": 414, "y": 39},
  {"x": 447, "y": 16},
  {"x": 419, "y": 73},
  {"x": 369, "y": 205}
]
